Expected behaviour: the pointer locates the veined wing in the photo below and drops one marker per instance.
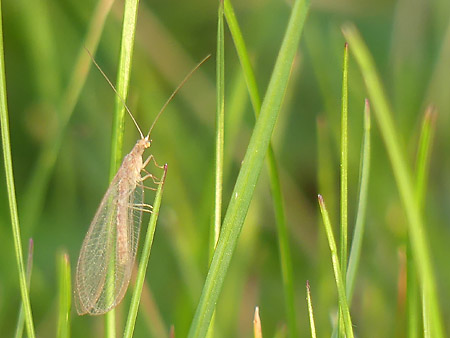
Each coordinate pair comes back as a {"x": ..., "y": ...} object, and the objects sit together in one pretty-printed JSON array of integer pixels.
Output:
[{"x": 109, "y": 248}]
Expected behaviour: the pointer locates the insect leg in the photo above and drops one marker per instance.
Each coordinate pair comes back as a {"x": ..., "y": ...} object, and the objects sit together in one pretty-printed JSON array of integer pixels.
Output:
[
  {"x": 152, "y": 158},
  {"x": 154, "y": 179}
]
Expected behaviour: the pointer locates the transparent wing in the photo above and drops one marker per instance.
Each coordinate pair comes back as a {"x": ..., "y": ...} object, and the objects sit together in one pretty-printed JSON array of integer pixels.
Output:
[{"x": 109, "y": 249}]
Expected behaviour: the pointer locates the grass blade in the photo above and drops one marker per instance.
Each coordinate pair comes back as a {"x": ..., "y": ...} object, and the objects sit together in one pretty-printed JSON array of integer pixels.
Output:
[
  {"x": 220, "y": 118},
  {"x": 249, "y": 173},
  {"x": 34, "y": 195},
  {"x": 283, "y": 241},
  {"x": 402, "y": 174},
  {"x": 422, "y": 165},
  {"x": 344, "y": 177},
  {"x": 257, "y": 331},
  {"x": 310, "y": 311},
  {"x": 343, "y": 305},
  {"x": 65, "y": 296},
  {"x": 122, "y": 84},
  {"x": 145, "y": 256},
  {"x": 20, "y": 321},
  {"x": 7, "y": 157},
  {"x": 355, "y": 251}
]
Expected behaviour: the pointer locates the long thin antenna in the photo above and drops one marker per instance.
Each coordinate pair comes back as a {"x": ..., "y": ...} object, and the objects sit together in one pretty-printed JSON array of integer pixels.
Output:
[
  {"x": 118, "y": 95},
  {"x": 176, "y": 91}
]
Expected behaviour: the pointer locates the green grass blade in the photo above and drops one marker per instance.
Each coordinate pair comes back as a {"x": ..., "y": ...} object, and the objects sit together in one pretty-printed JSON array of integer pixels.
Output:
[
  {"x": 21, "y": 320},
  {"x": 310, "y": 311},
  {"x": 7, "y": 157},
  {"x": 145, "y": 256},
  {"x": 344, "y": 177},
  {"x": 219, "y": 151},
  {"x": 283, "y": 240},
  {"x": 249, "y": 173},
  {"x": 220, "y": 118},
  {"x": 422, "y": 166},
  {"x": 401, "y": 172},
  {"x": 344, "y": 166},
  {"x": 34, "y": 195},
  {"x": 355, "y": 251},
  {"x": 65, "y": 296},
  {"x": 343, "y": 305},
  {"x": 122, "y": 84}
]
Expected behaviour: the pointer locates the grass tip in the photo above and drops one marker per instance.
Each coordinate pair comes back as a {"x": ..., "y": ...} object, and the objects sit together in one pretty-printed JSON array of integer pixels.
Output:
[{"x": 320, "y": 198}]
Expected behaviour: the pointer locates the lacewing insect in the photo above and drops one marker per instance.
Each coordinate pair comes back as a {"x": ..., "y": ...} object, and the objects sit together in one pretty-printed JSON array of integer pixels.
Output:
[{"x": 109, "y": 249}]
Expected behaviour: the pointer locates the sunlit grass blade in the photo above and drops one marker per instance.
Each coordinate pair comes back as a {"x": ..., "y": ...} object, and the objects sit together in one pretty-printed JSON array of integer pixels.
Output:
[
  {"x": 249, "y": 173},
  {"x": 355, "y": 251},
  {"x": 219, "y": 149},
  {"x": 34, "y": 195},
  {"x": 145, "y": 256},
  {"x": 422, "y": 165},
  {"x": 402, "y": 174},
  {"x": 257, "y": 331},
  {"x": 283, "y": 240},
  {"x": 343, "y": 305},
  {"x": 343, "y": 225},
  {"x": 310, "y": 311},
  {"x": 21, "y": 320},
  {"x": 122, "y": 84},
  {"x": 7, "y": 157},
  {"x": 65, "y": 296},
  {"x": 220, "y": 118}
]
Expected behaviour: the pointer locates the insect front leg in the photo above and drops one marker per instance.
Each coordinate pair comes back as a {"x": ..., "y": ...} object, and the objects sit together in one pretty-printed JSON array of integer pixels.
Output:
[{"x": 152, "y": 158}]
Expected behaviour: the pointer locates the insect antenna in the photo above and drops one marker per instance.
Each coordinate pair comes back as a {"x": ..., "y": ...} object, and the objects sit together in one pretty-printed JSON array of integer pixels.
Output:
[
  {"x": 176, "y": 91},
  {"x": 115, "y": 91}
]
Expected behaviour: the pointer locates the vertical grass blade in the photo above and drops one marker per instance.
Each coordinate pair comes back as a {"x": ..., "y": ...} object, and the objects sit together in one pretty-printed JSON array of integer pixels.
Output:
[
  {"x": 343, "y": 305},
  {"x": 402, "y": 174},
  {"x": 219, "y": 151},
  {"x": 344, "y": 176},
  {"x": 122, "y": 84},
  {"x": 257, "y": 331},
  {"x": 7, "y": 157},
  {"x": 21, "y": 319},
  {"x": 344, "y": 165},
  {"x": 145, "y": 256},
  {"x": 34, "y": 195},
  {"x": 249, "y": 173},
  {"x": 123, "y": 81},
  {"x": 220, "y": 118},
  {"x": 355, "y": 251},
  {"x": 65, "y": 296},
  {"x": 422, "y": 165},
  {"x": 310, "y": 311},
  {"x": 283, "y": 240}
]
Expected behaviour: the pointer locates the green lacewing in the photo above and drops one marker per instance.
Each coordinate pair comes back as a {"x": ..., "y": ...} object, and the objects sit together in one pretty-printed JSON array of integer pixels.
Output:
[{"x": 109, "y": 249}]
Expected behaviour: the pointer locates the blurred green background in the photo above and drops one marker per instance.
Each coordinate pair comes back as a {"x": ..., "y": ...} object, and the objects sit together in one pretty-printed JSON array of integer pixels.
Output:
[{"x": 410, "y": 41}]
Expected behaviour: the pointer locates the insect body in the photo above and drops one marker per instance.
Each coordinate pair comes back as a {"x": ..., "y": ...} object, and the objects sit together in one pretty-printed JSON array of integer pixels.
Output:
[{"x": 109, "y": 248}]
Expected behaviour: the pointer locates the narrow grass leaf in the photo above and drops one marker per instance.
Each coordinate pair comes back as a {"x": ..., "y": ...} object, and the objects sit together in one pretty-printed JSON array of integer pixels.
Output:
[
  {"x": 122, "y": 84},
  {"x": 310, "y": 311},
  {"x": 219, "y": 150},
  {"x": 34, "y": 195},
  {"x": 65, "y": 296},
  {"x": 249, "y": 173},
  {"x": 344, "y": 177},
  {"x": 145, "y": 256},
  {"x": 21, "y": 319},
  {"x": 283, "y": 240},
  {"x": 355, "y": 251},
  {"x": 402, "y": 174},
  {"x": 422, "y": 166},
  {"x": 220, "y": 118},
  {"x": 7, "y": 157},
  {"x": 343, "y": 305},
  {"x": 257, "y": 332}
]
